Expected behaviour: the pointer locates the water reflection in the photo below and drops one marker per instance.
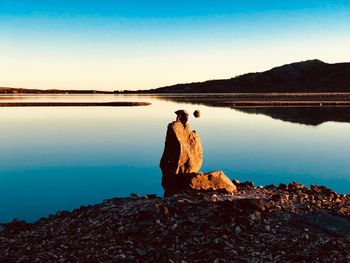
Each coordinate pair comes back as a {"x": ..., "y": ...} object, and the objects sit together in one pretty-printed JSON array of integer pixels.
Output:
[
  {"x": 308, "y": 115},
  {"x": 61, "y": 158},
  {"x": 302, "y": 115}
]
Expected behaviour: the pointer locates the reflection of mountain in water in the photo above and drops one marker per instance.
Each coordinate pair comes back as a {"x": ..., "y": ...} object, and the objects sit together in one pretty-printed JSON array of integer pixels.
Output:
[
  {"x": 306, "y": 115},
  {"x": 303, "y": 115}
]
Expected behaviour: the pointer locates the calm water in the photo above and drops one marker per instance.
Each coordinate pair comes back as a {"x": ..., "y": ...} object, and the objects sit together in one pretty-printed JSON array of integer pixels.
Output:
[{"x": 61, "y": 158}]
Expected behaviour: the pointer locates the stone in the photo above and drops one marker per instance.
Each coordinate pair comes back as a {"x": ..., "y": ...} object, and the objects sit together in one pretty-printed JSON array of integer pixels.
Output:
[
  {"x": 196, "y": 113},
  {"x": 182, "y": 151},
  {"x": 323, "y": 190},
  {"x": 270, "y": 186},
  {"x": 294, "y": 186},
  {"x": 237, "y": 230},
  {"x": 212, "y": 181},
  {"x": 283, "y": 187},
  {"x": 216, "y": 180},
  {"x": 344, "y": 210},
  {"x": 151, "y": 196},
  {"x": 236, "y": 182},
  {"x": 182, "y": 159},
  {"x": 258, "y": 204},
  {"x": 247, "y": 185}
]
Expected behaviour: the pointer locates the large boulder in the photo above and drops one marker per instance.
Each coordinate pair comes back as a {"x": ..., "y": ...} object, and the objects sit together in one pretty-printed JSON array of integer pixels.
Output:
[
  {"x": 182, "y": 159},
  {"x": 182, "y": 152}
]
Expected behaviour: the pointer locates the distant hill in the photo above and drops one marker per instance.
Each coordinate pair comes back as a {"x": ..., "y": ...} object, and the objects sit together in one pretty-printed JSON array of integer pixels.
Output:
[
  {"x": 306, "y": 76},
  {"x": 7, "y": 90}
]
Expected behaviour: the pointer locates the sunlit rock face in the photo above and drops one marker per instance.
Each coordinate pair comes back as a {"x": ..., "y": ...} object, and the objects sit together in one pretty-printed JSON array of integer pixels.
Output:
[
  {"x": 182, "y": 159},
  {"x": 182, "y": 151},
  {"x": 212, "y": 181},
  {"x": 193, "y": 182}
]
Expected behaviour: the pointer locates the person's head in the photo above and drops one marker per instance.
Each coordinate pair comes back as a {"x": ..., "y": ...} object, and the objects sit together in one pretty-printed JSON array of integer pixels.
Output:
[{"x": 182, "y": 116}]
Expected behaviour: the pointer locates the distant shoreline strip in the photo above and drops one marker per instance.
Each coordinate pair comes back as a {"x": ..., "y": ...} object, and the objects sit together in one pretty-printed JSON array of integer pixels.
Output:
[
  {"x": 73, "y": 104},
  {"x": 284, "y": 103}
]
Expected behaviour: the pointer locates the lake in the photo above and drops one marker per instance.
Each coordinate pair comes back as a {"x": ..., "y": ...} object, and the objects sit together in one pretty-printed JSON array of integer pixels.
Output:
[{"x": 59, "y": 158}]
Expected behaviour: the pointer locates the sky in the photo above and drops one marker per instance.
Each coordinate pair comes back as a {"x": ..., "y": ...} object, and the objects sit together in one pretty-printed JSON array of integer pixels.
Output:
[{"x": 129, "y": 44}]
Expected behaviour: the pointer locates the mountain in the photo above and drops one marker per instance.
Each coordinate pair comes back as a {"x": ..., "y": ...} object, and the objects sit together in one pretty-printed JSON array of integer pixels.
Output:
[{"x": 307, "y": 76}]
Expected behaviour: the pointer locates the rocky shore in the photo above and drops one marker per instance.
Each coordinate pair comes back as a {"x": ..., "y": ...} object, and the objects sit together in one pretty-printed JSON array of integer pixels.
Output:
[{"x": 286, "y": 223}]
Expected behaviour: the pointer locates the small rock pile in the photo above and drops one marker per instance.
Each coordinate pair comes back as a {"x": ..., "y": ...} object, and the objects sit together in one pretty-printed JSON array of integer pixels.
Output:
[{"x": 285, "y": 223}]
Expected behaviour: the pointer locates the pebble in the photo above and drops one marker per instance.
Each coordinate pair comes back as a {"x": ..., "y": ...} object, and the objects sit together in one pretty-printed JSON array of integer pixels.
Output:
[{"x": 238, "y": 230}]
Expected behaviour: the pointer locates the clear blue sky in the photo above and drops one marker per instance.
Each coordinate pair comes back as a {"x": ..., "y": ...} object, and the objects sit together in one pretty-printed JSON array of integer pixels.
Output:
[{"x": 146, "y": 44}]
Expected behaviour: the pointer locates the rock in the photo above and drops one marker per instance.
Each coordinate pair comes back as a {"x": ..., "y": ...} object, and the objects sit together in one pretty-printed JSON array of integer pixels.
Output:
[
  {"x": 257, "y": 204},
  {"x": 323, "y": 190},
  {"x": 294, "y": 186},
  {"x": 344, "y": 210},
  {"x": 255, "y": 216},
  {"x": 236, "y": 182},
  {"x": 213, "y": 181},
  {"x": 269, "y": 187},
  {"x": 196, "y": 113},
  {"x": 182, "y": 159},
  {"x": 282, "y": 187},
  {"x": 133, "y": 195},
  {"x": 246, "y": 185},
  {"x": 238, "y": 230},
  {"x": 216, "y": 180},
  {"x": 182, "y": 152},
  {"x": 151, "y": 196}
]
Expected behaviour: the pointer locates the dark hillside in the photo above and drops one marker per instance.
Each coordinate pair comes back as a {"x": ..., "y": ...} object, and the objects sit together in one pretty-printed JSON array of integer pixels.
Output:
[{"x": 306, "y": 76}]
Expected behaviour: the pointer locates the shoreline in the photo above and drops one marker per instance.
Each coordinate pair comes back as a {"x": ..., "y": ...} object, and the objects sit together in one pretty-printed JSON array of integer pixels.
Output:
[
  {"x": 272, "y": 223},
  {"x": 73, "y": 104},
  {"x": 231, "y": 100}
]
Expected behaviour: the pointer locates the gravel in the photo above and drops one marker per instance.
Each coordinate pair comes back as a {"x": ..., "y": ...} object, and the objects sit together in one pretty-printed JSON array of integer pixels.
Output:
[{"x": 286, "y": 223}]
